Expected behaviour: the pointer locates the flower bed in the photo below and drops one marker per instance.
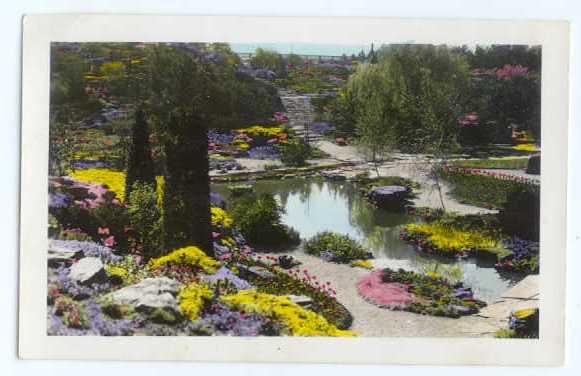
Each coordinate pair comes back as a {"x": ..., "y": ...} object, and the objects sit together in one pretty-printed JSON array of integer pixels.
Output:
[
  {"x": 298, "y": 282},
  {"x": 413, "y": 292},
  {"x": 186, "y": 295},
  {"x": 524, "y": 257},
  {"x": 296, "y": 320},
  {"x": 440, "y": 239}
]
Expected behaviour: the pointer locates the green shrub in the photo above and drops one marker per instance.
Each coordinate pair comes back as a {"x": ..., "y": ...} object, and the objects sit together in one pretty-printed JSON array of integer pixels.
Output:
[
  {"x": 521, "y": 213},
  {"x": 295, "y": 153},
  {"x": 342, "y": 247},
  {"x": 258, "y": 218},
  {"x": 145, "y": 218}
]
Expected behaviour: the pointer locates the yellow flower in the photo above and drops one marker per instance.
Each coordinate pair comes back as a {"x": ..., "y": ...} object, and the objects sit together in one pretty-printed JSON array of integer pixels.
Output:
[
  {"x": 190, "y": 256},
  {"x": 362, "y": 264},
  {"x": 258, "y": 130},
  {"x": 228, "y": 241},
  {"x": 114, "y": 180},
  {"x": 116, "y": 271},
  {"x": 297, "y": 320},
  {"x": 192, "y": 298},
  {"x": 525, "y": 147},
  {"x": 220, "y": 217},
  {"x": 450, "y": 239}
]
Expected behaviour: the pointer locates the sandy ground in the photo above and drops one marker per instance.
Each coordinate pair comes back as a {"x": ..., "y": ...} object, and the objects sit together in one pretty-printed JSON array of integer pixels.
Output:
[{"x": 372, "y": 321}]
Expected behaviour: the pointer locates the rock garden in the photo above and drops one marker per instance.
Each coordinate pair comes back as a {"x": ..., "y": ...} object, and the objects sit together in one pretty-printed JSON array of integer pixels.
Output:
[{"x": 292, "y": 196}]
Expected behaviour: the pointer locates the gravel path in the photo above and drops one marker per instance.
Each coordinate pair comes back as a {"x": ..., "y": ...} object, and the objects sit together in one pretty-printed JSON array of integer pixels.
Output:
[{"x": 372, "y": 321}]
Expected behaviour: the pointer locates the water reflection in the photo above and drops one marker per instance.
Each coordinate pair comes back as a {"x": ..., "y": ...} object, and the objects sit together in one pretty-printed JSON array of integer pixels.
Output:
[{"x": 316, "y": 205}]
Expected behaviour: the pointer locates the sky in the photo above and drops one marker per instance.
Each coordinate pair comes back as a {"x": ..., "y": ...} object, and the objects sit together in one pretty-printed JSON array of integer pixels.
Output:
[{"x": 303, "y": 48}]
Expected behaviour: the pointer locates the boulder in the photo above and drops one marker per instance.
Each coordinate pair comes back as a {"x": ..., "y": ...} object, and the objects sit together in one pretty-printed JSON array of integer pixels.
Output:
[
  {"x": 58, "y": 254},
  {"x": 390, "y": 197},
  {"x": 87, "y": 271},
  {"x": 534, "y": 165},
  {"x": 149, "y": 295},
  {"x": 254, "y": 272}
]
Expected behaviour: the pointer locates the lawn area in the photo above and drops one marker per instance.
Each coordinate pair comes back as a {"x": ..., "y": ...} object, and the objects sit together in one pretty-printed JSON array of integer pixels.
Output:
[
  {"x": 484, "y": 191},
  {"x": 506, "y": 163}
]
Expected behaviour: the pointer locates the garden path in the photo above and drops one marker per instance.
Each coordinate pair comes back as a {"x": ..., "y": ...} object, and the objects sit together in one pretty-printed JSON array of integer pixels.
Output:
[{"x": 372, "y": 321}]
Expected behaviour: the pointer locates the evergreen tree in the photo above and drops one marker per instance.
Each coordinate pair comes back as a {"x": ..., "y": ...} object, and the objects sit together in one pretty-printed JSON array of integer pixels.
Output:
[
  {"x": 139, "y": 164},
  {"x": 186, "y": 204}
]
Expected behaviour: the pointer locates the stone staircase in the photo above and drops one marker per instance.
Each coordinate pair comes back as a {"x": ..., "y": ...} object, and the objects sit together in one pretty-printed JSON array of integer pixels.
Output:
[{"x": 300, "y": 114}]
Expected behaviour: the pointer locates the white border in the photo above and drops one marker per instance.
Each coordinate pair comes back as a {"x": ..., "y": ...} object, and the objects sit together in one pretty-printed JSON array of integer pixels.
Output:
[{"x": 40, "y": 30}]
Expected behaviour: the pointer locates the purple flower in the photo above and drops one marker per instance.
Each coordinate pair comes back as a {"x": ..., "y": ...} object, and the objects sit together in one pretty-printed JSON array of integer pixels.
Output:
[
  {"x": 321, "y": 127},
  {"x": 225, "y": 274},
  {"x": 222, "y": 321},
  {"x": 217, "y": 200},
  {"x": 99, "y": 324},
  {"x": 264, "y": 152},
  {"x": 81, "y": 164},
  {"x": 57, "y": 200},
  {"x": 66, "y": 286}
]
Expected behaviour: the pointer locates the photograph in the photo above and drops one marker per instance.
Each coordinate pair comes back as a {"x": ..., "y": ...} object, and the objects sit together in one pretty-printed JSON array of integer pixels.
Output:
[{"x": 307, "y": 189}]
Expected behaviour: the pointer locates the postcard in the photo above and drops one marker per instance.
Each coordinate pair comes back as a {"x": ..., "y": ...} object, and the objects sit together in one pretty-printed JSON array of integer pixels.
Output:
[{"x": 266, "y": 189}]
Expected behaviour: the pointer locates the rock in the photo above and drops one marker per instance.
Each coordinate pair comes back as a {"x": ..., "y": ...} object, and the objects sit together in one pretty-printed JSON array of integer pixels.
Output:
[
  {"x": 287, "y": 262},
  {"x": 58, "y": 255},
  {"x": 534, "y": 165},
  {"x": 327, "y": 256},
  {"x": 391, "y": 197},
  {"x": 301, "y": 300},
  {"x": 334, "y": 175},
  {"x": 149, "y": 295},
  {"x": 87, "y": 271},
  {"x": 461, "y": 310},
  {"x": 254, "y": 271}
]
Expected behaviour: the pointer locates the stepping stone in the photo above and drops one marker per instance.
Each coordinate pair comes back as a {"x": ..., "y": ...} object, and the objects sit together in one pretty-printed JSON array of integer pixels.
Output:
[{"x": 526, "y": 289}]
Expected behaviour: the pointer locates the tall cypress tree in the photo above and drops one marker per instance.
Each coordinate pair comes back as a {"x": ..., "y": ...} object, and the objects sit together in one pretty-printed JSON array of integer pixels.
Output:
[
  {"x": 186, "y": 204},
  {"x": 139, "y": 164}
]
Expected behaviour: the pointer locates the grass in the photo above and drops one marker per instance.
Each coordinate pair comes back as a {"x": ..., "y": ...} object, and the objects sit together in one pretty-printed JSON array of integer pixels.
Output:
[
  {"x": 506, "y": 163},
  {"x": 505, "y": 333},
  {"x": 483, "y": 191}
]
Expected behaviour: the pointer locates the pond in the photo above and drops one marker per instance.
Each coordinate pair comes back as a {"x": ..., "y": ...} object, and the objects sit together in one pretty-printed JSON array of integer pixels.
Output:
[{"x": 315, "y": 205}]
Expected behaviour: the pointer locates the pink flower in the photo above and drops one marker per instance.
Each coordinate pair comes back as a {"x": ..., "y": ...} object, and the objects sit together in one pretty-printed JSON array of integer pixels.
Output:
[{"x": 110, "y": 241}]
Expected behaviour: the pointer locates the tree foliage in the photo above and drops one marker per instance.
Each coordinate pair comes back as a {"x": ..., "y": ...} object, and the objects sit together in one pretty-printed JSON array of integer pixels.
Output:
[
  {"x": 414, "y": 94},
  {"x": 271, "y": 60},
  {"x": 140, "y": 163}
]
